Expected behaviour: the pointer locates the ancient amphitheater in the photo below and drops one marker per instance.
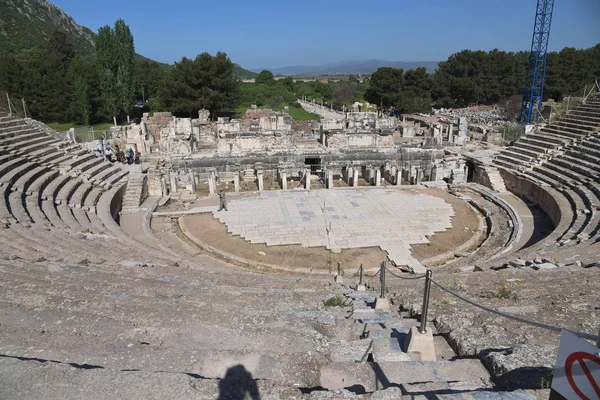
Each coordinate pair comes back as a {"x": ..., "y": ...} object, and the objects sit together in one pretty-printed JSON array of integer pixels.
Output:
[{"x": 124, "y": 281}]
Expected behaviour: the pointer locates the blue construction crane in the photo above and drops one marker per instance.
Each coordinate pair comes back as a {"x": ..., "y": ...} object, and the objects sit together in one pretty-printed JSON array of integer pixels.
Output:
[{"x": 533, "y": 93}]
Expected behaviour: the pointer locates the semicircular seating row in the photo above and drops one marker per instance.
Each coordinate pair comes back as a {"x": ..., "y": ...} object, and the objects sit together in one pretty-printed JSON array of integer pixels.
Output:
[
  {"x": 56, "y": 199},
  {"x": 565, "y": 157}
]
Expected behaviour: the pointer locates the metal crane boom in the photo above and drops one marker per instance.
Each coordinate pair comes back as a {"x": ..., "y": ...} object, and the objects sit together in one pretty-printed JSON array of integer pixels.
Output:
[{"x": 533, "y": 93}]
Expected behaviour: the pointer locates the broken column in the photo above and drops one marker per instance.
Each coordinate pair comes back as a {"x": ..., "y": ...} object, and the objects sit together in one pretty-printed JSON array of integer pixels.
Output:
[
  {"x": 193, "y": 182},
  {"x": 283, "y": 181},
  {"x": 350, "y": 175},
  {"x": 378, "y": 177},
  {"x": 259, "y": 177},
  {"x": 236, "y": 181},
  {"x": 418, "y": 176},
  {"x": 173, "y": 182},
  {"x": 329, "y": 179},
  {"x": 398, "y": 176},
  {"x": 307, "y": 180},
  {"x": 355, "y": 178},
  {"x": 211, "y": 182}
]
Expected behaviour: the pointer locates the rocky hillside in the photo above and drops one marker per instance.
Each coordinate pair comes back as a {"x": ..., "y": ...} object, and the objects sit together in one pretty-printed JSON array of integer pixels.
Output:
[{"x": 25, "y": 24}]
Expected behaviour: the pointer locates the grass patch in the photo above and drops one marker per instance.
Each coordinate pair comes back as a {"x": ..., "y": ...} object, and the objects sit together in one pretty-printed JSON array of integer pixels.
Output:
[
  {"x": 63, "y": 127},
  {"x": 336, "y": 301},
  {"x": 82, "y": 133},
  {"x": 298, "y": 114}
]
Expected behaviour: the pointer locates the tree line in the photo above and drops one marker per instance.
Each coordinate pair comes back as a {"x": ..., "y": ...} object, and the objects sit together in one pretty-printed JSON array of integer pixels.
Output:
[
  {"x": 479, "y": 77},
  {"x": 61, "y": 86}
]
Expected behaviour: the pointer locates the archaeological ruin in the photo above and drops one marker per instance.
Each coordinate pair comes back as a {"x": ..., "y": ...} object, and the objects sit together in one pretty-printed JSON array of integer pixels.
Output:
[{"x": 125, "y": 281}]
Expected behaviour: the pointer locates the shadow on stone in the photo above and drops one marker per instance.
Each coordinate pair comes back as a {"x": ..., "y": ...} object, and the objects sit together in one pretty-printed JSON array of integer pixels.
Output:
[{"x": 238, "y": 384}]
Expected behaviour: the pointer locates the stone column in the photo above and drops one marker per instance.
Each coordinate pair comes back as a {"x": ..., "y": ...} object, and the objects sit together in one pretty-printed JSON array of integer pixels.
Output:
[
  {"x": 398, "y": 177},
  {"x": 283, "y": 181},
  {"x": 211, "y": 183},
  {"x": 163, "y": 186},
  {"x": 418, "y": 177},
  {"x": 392, "y": 175},
  {"x": 173, "y": 182},
  {"x": 378, "y": 177},
  {"x": 193, "y": 179},
  {"x": 307, "y": 180},
  {"x": 355, "y": 179},
  {"x": 329, "y": 179},
  {"x": 350, "y": 177},
  {"x": 259, "y": 177},
  {"x": 236, "y": 181}
]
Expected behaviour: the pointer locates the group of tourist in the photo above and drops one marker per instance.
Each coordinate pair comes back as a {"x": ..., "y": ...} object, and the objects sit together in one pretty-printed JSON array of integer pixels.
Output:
[{"x": 125, "y": 157}]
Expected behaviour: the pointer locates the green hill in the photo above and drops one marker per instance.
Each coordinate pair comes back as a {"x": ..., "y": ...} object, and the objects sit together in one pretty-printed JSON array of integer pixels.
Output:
[
  {"x": 242, "y": 73},
  {"x": 27, "y": 24}
]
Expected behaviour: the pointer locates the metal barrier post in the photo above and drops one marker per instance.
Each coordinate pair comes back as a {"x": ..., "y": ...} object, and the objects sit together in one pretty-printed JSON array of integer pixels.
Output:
[
  {"x": 360, "y": 275},
  {"x": 339, "y": 273},
  {"x": 9, "y": 109},
  {"x": 382, "y": 280},
  {"x": 598, "y": 341},
  {"x": 423, "y": 328}
]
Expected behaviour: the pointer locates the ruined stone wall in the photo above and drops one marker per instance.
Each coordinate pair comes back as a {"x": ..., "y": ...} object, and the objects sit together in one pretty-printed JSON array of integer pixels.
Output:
[{"x": 233, "y": 144}]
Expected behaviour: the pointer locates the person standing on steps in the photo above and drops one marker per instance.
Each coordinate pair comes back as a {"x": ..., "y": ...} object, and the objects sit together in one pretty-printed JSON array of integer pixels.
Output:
[{"x": 222, "y": 200}]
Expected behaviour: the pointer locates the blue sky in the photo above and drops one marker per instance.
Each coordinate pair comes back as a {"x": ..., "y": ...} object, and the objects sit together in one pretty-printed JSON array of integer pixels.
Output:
[{"x": 269, "y": 33}]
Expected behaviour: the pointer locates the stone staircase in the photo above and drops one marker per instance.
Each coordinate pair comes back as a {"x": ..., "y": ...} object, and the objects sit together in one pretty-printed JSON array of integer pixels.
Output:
[
  {"x": 550, "y": 141},
  {"x": 135, "y": 193},
  {"x": 374, "y": 357}
]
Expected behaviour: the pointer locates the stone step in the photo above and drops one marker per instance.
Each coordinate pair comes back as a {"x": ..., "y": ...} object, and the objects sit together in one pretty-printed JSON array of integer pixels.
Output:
[
  {"x": 67, "y": 190},
  {"x": 381, "y": 375},
  {"x": 539, "y": 143}
]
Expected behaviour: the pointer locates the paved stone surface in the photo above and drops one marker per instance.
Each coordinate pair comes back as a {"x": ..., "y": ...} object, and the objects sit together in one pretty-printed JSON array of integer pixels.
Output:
[{"x": 341, "y": 219}]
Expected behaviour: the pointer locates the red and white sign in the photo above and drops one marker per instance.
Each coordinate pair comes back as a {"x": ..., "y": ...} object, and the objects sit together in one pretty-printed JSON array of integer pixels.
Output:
[{"x": 577, "y": 370}]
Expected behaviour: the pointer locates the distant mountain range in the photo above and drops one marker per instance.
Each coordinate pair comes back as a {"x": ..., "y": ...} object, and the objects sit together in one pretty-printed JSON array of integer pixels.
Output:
[{"x": 350, "y": 67}]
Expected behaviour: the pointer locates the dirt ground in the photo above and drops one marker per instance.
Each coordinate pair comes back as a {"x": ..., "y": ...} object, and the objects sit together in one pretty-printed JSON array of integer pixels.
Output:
[
  {"x": 209, "y": 230},
  {"x": 464, "y": 225}
]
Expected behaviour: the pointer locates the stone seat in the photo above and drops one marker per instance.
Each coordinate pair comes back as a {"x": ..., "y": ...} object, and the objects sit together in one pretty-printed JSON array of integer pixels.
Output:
[
  {"x": 560, "y": 132},
  {"x": 514, "y": 161},
  {"x": 90, "y": 200},
  {"x": 576, "y": 171},
  {"x": 503, "y": 164},
  {"x": 66, "y": 215},
  {"x": 580, "y": 130},
  {"x": 76, "y": 161},
  {"x": 12, "y": 135},
  {"x": 589, "y": 155},
  {"x": 40, "y": 183},
  {"x": 538, "y": 143},
  {"x": 516, "y": 149},
  {"x": 10, "y": 165},
  {"x": 96, "y": 170},
  {"x": 17, "y": 208},
  {"x": 65, "y": 157},
  {"x": 37, "y": 145},
  {"x": 577, "y": 123},
  {"x": 78, "y": 196},
  {"x": 28, "y": 178},
  {"x": 54, "y": 186},
  {"x": 91, "y": 163},
  {"x": 27, "y": 141},
  {"x": 518, "y": 153},
  {"x": 33, "y": 206},
  {"x": 12, "y": 175},
  {"x": 571, "y": 176},
  {"x": 6, "y": 127},
  {"x": 582, "y": 118},
  {"x": 51, "y": 214},
  {"x": 576, "y": 158},
  {"x": 67, "y": 190},
  {"x": 548, "y": 138}
]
